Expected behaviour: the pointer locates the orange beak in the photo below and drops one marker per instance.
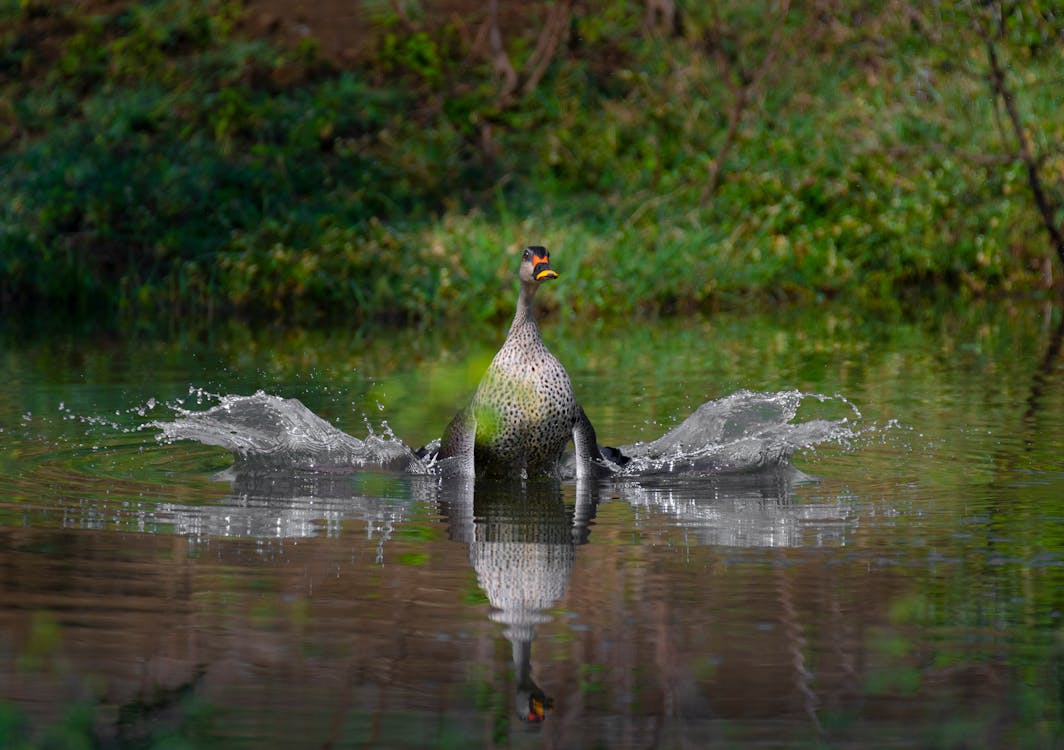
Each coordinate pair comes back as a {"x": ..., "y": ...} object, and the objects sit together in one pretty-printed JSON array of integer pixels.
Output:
[
  {"x": 537, "y": 711},
  {"x": 541, "y": 270}
]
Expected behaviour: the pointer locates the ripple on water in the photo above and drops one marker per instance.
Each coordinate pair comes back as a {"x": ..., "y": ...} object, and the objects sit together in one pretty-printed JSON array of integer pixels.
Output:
[{"x": 915, "y": 584}]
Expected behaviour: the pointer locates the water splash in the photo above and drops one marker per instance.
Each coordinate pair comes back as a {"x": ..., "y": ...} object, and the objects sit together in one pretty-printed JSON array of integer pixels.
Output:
[
  {"x": 124, "y": 421},
  {"x": 745, "y": 432},
  {"x": 264, "y": 431}
]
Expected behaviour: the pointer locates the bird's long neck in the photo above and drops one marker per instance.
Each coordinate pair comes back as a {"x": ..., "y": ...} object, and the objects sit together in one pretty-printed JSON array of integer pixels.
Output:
[{"x": 525, "y": 316}]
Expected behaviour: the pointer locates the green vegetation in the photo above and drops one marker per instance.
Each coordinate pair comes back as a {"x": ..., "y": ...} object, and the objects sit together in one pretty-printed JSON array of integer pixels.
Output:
[{"x": 161, "y": 157}]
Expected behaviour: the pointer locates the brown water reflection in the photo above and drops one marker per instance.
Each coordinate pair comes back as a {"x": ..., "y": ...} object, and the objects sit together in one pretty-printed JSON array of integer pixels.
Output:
[
  {"x": 912, "y": 597},
  {"x": 629, "y": 634}
]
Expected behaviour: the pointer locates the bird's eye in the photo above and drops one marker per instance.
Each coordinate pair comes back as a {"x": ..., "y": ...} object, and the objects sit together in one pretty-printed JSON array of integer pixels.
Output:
[{"x": 528, "y": 254}]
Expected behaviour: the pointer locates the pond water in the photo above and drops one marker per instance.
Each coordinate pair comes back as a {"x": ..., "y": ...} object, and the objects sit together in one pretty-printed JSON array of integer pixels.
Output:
[{"x": 908, "y": 592}]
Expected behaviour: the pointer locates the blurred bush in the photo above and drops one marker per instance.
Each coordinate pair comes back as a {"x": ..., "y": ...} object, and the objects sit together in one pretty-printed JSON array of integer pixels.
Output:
[{"x": 163, "y": 158}]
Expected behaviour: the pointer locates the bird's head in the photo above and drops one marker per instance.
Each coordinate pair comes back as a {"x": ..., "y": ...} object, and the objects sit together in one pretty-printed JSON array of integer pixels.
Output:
[{"x": 535, "y": 265}]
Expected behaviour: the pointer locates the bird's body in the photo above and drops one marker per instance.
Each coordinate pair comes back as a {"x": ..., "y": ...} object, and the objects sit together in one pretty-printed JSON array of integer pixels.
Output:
[
  {"x": 524, "y": 411},
  {"x": 524, "y": 407}
]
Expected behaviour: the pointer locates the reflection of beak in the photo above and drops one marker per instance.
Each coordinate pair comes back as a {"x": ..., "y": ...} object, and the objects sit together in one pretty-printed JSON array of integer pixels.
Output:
[
  {"x": 536, "y": 710},
  {"x": 542, "y": 271}
]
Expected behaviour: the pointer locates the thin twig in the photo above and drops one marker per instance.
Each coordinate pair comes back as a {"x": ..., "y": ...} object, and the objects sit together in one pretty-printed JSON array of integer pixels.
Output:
[
  {"x": 1001, "y": 90},
  {"x": 499, "y": 59},
  {"x": 549, "y": 40},
  {"x": 742, "y": 84}
]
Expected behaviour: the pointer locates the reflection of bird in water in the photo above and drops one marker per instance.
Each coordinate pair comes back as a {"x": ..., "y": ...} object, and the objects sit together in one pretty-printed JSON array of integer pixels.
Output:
[
  {"x": 524, "y": 411},
  {"x": 522, "y": 544}
]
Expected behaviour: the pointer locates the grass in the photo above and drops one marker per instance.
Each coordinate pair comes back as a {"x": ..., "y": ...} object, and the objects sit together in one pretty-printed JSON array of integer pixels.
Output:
[{"x": 160, "y": 160}]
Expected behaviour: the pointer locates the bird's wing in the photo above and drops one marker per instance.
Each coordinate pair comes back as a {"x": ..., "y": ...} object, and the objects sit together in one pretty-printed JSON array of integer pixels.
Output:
[{"x": 458, "y": 444}]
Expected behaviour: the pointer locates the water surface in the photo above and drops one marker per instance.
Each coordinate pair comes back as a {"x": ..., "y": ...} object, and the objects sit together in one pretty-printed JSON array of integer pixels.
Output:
[{"x": 910, "y": 597}]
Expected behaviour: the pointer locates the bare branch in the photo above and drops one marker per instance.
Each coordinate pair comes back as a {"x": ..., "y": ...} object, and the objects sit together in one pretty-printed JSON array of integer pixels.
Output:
[
  {"x": 999, "y": 84},
  {"x": 499, "y": 59},
  {"x": 777, "y": 32},
  {"x": 735, "y": 116},
  {"x": 742, "y": 84},
  {"x": 550, "y": 39}
]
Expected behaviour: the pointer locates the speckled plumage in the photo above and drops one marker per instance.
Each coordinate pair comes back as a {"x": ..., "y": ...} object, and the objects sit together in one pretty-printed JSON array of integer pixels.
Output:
[
  {"x": 524, "y": 407},
  {"x": 524, "y": 411}
]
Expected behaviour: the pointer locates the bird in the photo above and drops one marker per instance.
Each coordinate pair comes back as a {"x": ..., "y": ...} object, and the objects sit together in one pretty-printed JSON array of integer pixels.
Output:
[{"x": 524, "y": 411}]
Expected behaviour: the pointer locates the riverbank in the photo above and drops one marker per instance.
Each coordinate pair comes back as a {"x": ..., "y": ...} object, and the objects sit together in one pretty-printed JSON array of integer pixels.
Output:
[{"x": 171, "y": 159}]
